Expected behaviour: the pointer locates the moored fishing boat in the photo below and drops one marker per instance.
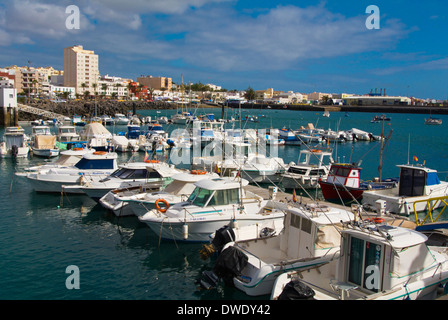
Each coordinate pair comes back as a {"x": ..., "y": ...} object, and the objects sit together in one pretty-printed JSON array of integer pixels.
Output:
[
  {"x": 140, "y": 202},
  {"x": 43, "y": 143},
  {"x": 214, "y": 203},
  {"x": 377, "y": 262},
  {"x": 97, "y": 165},
  {"x": 14, "y": 144},
  {"x": 312, "y": 165},
  {"x": 128, "y": 175},
  {"x": 310, "y": 238},
  {"x": 344, "y": 183},
  {"x": 416, "y": 183}
]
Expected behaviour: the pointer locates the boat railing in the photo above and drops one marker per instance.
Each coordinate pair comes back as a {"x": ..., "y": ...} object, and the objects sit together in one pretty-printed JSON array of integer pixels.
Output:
[{"x": 431, "y": 203}]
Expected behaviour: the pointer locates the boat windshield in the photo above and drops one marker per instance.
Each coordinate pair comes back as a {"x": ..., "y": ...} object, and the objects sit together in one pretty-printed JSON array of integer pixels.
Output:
[
  {"x": 125, "y": 173},
  {"x": 86, "y": 164},
  {"x": 200, "y": 196},
  {"x": 343, "y": 172}
]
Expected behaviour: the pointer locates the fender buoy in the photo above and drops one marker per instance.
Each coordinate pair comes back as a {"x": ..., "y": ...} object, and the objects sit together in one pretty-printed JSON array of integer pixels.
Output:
[
  {"x": 163, "y": 210},
  {"x": 198, "y": 172},
  {"x": 376, "y": 220},
  {"x": 102, "y": 153}
]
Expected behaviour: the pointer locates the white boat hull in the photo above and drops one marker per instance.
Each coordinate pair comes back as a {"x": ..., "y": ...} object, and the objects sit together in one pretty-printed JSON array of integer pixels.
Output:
[
  {"x": 22, "y": 152},
  {"x": 46, "y": 153},
  {"x": 199, "y": 229}
]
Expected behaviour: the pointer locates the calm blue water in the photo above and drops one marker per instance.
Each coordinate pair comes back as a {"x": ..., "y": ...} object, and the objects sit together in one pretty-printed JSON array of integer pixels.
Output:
[{"x": 120, "y": 258}]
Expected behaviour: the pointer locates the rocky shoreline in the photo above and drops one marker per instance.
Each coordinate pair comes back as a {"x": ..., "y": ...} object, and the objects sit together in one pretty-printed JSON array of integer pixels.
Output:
[{"x": 87, "y": 108}]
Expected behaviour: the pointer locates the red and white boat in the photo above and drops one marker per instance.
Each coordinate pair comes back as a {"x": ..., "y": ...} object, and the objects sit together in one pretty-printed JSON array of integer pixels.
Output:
[{"x": 344, "y": 183}]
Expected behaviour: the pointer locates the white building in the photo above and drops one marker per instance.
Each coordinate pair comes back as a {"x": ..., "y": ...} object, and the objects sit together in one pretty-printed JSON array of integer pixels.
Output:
[
  {"x": 8, "y": 97},
  {"x": 58, "y": 91},
  {"x": 113, "y": 86}
]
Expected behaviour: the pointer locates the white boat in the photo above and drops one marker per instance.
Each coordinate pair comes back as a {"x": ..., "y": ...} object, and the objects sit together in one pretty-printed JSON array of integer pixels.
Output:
[
  {"x": 67, "y": 134},
  {"x": 43, "y": 142},
  {"x": 182, "y": 118},
  {"x": 139, "y": 203},
  {"x": 433, "y": 121},
  {"x": 336, "y": 136},
  {"x": 78, "y": 121},
  {"x": 416, "y": 184},
  {"x": 128, "y": 175},
  {"x": 214, "y": 203},
  {"x": 106, "y": 120},
  {"x": 377, "y": 262},
  {"x": 310, "y": 238},
  {"x": 120, "y": 119},
  {"x": 97, "y": 136},
  {"x": 289, "y": 136},
  {"x": 155, "y": 139},
  {"x": 326, "y": 114},
  {"x": 97, "y": 165},
  {"x": 14, "y": 144},
  {"x": 361, "y": 135},
  {"x": 272, "y": 137},
  {"x": 259, "y": 168},
  {"x": 123, "y": 144},
  {"x": 312, "y": 165},
  {"x": 67, "y": 158}
]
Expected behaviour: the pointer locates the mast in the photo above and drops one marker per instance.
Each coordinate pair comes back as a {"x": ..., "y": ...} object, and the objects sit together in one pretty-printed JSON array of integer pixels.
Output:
[{"x": 380, "y": 167}]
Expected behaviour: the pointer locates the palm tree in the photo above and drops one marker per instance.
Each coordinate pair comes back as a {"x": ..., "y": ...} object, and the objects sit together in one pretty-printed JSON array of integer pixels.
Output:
[
  {"x": 83, "y": 86},
  {"x": 250, "y": 94}
]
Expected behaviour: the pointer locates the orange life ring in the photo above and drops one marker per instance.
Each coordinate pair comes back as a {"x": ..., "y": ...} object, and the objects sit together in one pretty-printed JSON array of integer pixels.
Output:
[
  {"x": 77, "y": 149},
  {"x": 198, "y": 172},
  {"x": 316, "y": 150},
  {"x": 102, "y": 153},
  {"x": 163, "y": 210},
  {"x": 152, "y": 161},
  {"x": 376, "y": 220}
]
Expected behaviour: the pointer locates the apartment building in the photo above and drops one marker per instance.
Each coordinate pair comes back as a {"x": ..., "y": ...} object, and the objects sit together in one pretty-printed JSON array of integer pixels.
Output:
[
  {"x": 156, "y": 83},
  {"x": 80, "y": 69},
  {"x": 113, "y": 86}
]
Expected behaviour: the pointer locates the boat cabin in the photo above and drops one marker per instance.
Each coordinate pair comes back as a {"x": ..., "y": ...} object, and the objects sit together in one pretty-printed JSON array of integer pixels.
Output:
[
  {"x": 68, "y": 134},
  {"x": 414, "y": 179},
  {"x": 379, "y": 258},
  {"x": 344, "y": 174},
  {"x": 40, "y": 130},
  {"x": 312, "y": 163},
  {"x": 98, "y": 161},
  {"x": 217, "y": 192}
]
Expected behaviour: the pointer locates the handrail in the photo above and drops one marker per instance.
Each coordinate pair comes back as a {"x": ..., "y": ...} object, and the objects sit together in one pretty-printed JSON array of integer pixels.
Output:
[{"x": 436, "y": 202}]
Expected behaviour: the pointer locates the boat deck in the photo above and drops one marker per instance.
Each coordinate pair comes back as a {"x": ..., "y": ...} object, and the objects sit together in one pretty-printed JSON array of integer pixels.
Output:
[{"x": 286, "y": 197}]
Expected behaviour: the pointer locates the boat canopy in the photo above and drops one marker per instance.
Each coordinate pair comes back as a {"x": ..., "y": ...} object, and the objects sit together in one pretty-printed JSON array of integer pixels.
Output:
[
  {"x": 414, "y": 179},
  {"x": 221, "y": 183}
]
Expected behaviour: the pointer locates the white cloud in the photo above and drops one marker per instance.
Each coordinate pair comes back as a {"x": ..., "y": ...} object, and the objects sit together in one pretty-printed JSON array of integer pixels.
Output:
[{"x": 35, "y": 18}]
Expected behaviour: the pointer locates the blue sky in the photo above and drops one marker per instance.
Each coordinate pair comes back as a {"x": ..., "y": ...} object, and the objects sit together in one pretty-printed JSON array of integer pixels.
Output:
[{"x": 303, "y": 46}]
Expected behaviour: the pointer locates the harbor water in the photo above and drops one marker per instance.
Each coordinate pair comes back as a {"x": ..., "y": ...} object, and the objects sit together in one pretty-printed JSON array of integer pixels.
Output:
[{"x": 41, "y": 235}]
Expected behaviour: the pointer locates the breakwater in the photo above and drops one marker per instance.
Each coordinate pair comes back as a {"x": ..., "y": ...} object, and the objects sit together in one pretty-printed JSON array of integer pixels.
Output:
[{"x": 371, "y": 109}]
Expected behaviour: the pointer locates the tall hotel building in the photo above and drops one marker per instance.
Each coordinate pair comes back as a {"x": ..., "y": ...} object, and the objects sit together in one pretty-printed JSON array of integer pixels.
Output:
[{"x": 80, "y": 66}]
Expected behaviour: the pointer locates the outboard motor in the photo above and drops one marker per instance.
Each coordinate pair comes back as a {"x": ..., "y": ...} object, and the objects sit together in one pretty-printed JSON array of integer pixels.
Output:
[
  {"x": 14, "y": 151},
  {"x": 296, "y": 290},
  {"x": 223, "y": 236}
]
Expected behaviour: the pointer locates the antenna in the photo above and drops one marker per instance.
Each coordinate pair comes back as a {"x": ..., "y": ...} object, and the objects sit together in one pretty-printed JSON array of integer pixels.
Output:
[{"x": 409, "y": 146}]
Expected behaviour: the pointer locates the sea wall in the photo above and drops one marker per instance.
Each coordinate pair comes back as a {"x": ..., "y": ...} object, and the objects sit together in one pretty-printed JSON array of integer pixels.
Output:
[{"x": 372, "y": 109}]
